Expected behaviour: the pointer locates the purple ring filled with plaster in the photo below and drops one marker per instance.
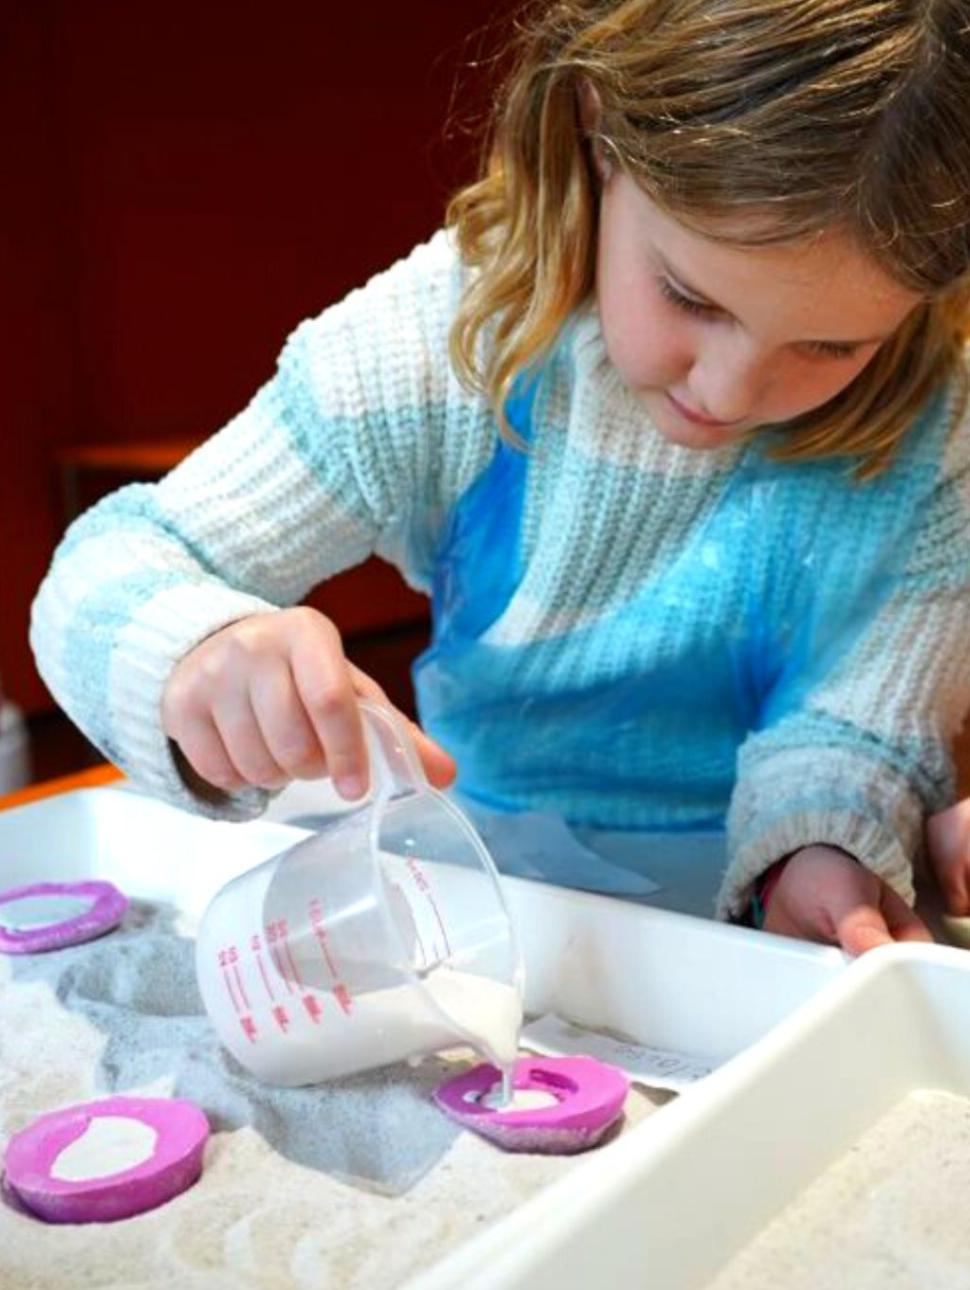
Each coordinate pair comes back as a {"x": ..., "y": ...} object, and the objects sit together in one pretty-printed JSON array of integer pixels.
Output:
[
  {"x": 176, "y": 1161},
  {"x": 106, "y": 910},
  {"x": 589, "y": 1100}
]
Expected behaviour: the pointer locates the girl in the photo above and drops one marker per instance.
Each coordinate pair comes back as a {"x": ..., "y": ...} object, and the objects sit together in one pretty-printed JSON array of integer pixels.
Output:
[{"x": 669, "y": 422}]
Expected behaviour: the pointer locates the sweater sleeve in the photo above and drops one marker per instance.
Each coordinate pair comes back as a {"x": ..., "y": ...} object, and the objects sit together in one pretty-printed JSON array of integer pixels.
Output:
[
  {"x": 864, "y": 754},
  {"x": 355, "y": 446}
]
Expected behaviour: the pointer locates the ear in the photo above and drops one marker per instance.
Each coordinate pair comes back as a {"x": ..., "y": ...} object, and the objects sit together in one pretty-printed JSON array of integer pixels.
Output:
[{"x": 590, "y": 110}]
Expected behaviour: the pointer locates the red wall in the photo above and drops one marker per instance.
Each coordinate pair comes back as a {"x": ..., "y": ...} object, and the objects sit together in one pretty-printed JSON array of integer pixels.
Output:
[{"x": 182, "y": 184}]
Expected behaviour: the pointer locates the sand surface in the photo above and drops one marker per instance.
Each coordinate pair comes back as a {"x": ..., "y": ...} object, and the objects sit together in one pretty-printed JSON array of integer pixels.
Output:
[
  {"x": 318, "y": 1194},
  {"x": 891, "y": 1212}
]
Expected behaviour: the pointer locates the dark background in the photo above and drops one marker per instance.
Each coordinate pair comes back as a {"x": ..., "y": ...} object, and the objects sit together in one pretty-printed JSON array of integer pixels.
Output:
[{"x": 181, "y": 185}]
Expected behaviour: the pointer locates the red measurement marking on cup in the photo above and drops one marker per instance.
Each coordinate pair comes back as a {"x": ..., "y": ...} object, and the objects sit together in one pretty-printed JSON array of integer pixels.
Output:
[
  {"x": 343, "y": 997},
  {"x": 241, "y": 988},
  {"x": 314, "y": 1008},
  {"x": 281, "y": 971},
  {"x": 228, "y": 961},
  {"x": 227, "y": 979},
  {"x": 234, "y": 964},
  {"x": 255, "y": 946},
  {"x": 340, "y": 991},
  {"x": 273, "y": 934},
  {"x": 289, "y": 957},
  {"x": 249, "y": 1028},
  {"x": 422, "y": 884},
  {"x": 282, "y": 1018},
  {"x": 320, "y": 933}
]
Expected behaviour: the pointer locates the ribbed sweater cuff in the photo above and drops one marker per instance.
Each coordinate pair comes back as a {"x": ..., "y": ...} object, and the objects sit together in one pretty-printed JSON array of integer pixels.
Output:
[
  {"x": 162, "y": 632},
  {"x": 868, "y": 840}
]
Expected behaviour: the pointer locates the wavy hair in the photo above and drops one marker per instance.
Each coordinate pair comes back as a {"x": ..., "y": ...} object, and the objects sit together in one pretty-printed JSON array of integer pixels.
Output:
[{"x": 813, "y": 113}]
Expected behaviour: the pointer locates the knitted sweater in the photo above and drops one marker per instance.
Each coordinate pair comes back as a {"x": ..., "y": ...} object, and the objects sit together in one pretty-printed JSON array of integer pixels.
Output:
[{"x": 805, "y": 638}]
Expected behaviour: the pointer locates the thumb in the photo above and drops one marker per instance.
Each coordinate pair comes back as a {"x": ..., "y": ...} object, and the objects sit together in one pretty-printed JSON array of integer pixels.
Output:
[
  {"x": 862, "y": 929},
  {"x": 903, "y": 923},
  {"x": 439, "y": 766}
]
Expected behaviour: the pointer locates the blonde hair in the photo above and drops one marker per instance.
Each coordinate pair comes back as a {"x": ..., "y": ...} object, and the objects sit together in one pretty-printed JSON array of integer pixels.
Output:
[{"x": 813, "y": 113}]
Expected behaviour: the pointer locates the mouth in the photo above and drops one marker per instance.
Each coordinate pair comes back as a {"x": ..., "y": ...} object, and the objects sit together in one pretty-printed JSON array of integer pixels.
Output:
[{"x": 695, "y": 417}]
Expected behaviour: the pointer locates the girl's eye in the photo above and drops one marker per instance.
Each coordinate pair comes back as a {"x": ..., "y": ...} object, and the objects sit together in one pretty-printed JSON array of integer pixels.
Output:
[
  {"x": 825, "y": 348},
  {"x": 687, "y": 303},
  {"x": 832, "y": 349}
]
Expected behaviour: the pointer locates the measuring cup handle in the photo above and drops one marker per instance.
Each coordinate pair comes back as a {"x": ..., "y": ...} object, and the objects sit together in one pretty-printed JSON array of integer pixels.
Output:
[{"x": 394, "y": 763}]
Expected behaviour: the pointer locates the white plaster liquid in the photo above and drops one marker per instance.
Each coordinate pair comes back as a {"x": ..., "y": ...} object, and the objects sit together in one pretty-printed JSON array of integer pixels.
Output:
[
  {"x": 488, "y": 1012},
  {"x": 521, "y": 1099},
  {"x": 448, "y": 1008},
  {"x": 111, "y": 1144}
]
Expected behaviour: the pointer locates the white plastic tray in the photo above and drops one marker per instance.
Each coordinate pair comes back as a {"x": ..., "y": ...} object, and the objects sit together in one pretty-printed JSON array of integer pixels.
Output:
[
  {"x": 670, "y": 1206},
  {"x": 663, "y": 979}
]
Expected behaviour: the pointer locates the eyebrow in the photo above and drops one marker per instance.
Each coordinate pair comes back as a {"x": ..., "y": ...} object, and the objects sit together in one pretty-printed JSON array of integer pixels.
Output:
[{"x": 703, "y": 298}]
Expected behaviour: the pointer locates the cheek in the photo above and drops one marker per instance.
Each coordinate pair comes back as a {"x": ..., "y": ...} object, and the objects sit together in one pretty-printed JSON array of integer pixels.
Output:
[
  {"x": 644, "y": 344},
  {"x": 807, "y": 386}
]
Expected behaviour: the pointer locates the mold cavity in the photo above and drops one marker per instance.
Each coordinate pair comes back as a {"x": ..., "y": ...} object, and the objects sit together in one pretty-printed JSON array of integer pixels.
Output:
[
  {"x": 523, "y": 1099},
  {"x": 110, "y": 1144},
  {"x": 552, "y": 1079},
  {"x": 29, "y": 912}
]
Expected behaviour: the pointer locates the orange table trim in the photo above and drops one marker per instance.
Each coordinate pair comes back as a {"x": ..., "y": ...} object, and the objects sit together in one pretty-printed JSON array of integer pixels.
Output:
[{"x": 93, "y": 778}]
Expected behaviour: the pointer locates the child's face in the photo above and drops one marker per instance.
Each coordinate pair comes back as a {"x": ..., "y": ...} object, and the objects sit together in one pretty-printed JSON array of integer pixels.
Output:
[{"x": 718, "y": 339}]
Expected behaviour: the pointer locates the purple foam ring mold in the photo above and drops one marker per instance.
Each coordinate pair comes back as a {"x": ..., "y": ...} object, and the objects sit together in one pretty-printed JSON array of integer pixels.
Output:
[
  {"x": 574, "y": 1101},
  {"x": 177, "y": 1132},
  {"x": 93, "y": 908}
]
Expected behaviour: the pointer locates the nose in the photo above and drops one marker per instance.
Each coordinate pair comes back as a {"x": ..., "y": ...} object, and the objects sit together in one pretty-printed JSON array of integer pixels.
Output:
[{"x": 727, "y": 379}]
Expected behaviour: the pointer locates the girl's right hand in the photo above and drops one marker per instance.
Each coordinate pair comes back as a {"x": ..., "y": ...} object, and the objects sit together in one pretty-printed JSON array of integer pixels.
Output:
[{"x": 272, "y": 698}]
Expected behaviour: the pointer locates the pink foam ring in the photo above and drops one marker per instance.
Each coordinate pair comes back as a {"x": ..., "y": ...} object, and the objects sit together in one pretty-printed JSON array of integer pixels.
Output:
[
  {"x": 106, "y": 910},
  {"x": 590, "y": 1097},
  {"x": 175, "y": 1165}
]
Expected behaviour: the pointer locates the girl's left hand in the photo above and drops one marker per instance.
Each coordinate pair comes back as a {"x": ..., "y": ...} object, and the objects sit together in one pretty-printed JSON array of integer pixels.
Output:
[{"x": 825, "y": 895}]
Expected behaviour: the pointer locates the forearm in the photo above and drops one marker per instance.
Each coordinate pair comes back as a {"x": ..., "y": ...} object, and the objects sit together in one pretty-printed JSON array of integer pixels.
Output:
[{"x": 122, "y": 603}]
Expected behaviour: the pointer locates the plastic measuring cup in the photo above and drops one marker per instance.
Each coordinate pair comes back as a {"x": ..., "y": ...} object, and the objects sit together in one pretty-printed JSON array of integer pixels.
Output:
[{"x": 382, "y": 936}]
